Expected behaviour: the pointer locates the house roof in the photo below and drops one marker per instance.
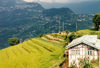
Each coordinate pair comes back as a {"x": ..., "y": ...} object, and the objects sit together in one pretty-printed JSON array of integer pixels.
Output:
[{"x": 90, "y": 40}]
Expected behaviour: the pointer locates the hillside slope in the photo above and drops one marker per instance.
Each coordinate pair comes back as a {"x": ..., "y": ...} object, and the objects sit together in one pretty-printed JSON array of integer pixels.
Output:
[
  {"x": 33, "y": 53},
  {"x": 88, "y": 32},
  {"x": 27, "y": 20}
]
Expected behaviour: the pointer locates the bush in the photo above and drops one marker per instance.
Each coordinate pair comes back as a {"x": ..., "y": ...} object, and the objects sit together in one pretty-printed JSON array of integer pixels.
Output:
[
  {"x": 13, "y": 41},
  {"x": 88, "y": 66},
  {"x": 41, "y": 35},
  {"x": 84, "y": 63},
  {"x": 72, "y": 36}
]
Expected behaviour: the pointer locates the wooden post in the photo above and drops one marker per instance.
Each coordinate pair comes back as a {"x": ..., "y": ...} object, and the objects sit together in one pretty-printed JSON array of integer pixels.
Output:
[
  {"x": 99, "y": 27},
  {"x": 59, "y": 27},
  {"x": 63, "y": 26},
  {"x": 76, "y": 26}
]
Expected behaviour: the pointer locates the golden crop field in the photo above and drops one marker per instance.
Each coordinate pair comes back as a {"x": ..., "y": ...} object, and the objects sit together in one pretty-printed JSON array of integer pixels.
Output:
[{"x": 34, "y": 53}]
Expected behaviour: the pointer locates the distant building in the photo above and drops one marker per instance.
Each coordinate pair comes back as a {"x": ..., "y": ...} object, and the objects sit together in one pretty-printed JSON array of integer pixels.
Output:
[
  {"x": 87, "y": 46},
  {"x": 63, "y": 33}
]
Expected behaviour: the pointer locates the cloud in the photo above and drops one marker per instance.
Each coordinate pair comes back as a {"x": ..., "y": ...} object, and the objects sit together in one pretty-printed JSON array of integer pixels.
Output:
[
  {"x": 30, "y": 0},
  {"x": 50, "y": 1},
  {"x": 59, "y": 1}
]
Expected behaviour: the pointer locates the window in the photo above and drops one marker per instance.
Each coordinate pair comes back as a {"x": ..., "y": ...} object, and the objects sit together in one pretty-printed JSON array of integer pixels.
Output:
[
  {"x": 89, "y": 52},
  {"x": 75, "y": 52}
]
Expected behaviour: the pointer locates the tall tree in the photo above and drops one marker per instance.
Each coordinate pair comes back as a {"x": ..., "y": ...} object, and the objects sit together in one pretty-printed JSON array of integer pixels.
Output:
[{"x": 96, "y": 21}]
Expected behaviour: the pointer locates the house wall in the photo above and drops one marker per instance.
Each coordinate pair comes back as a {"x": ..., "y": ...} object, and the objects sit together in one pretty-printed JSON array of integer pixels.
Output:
[{"x": 80, "y": 52}]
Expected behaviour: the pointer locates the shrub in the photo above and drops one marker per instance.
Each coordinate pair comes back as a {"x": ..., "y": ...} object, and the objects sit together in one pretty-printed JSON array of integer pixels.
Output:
[
  {"x": 85, "y": 63},
  {"x": 72, "y": 36},
  {"x": 13, "y": 41},
  {"x": 87, "y": 66},
  {"x": 41, "y": 35}
]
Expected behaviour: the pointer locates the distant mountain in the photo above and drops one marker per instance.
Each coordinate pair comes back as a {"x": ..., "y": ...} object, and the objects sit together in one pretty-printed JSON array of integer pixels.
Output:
[
  {"x": 90, "y": 7},
  {"x": 57, "y": 11},
  {"x": 27, "y": 20}
]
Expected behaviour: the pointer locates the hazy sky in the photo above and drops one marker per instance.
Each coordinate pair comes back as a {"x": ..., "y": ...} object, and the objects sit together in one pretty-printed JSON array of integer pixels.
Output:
[{"x": 59, "y": 1}]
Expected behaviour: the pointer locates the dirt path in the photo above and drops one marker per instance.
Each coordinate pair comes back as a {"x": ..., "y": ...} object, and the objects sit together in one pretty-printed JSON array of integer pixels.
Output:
[
  {"x": 49, "y": 36},
  {"x": 50, "y": 40}
]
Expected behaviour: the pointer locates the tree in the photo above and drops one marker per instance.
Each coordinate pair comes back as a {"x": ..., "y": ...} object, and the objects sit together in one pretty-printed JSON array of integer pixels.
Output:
[
  {"x": 96, "y": 21},
  {"x": 13, "y": 41}
]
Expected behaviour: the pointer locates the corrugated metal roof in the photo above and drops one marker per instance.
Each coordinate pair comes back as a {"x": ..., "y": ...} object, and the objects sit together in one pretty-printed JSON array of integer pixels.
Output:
[{"x": 90, "y": 40}]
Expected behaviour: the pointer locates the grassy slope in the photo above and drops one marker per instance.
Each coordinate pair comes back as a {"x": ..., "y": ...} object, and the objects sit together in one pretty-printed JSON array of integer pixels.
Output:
[
  {"x": 88, "y": 31},
  {"x": 42, "y": 52},
  {"x": 34, "y": 53}
]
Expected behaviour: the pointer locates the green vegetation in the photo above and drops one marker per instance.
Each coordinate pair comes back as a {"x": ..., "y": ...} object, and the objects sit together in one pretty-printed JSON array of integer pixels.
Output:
[
  {"x": 57, "y": 35},
  {"x": 46, "y": 51},
  {"x": 85, "y": 63},
  {"x": 13, "y": 41},
  {"x": 40, "y": 35},
  {"x": 71, "y": 36},
  {"x": 95, "y": 63},
  {"x": 96, "y": 21},
  {"x": 88, "y": 32},
  {"x": 33, "y": 53}
]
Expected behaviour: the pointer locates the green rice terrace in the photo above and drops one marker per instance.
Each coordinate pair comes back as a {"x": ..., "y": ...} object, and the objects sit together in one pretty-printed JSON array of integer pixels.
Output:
[{"x": 44, "y": 52}]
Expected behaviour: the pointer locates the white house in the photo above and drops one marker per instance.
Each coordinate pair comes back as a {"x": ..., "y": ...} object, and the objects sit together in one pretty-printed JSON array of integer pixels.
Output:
[{"x": 87, "y": 46}]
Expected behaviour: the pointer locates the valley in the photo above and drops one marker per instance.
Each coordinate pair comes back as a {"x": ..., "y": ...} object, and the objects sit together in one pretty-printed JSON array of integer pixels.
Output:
[{"x": 28, "y": 20}]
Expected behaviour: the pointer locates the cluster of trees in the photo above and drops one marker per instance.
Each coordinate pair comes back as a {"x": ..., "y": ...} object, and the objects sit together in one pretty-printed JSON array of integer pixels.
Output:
[{"x": 71, "y": 36}]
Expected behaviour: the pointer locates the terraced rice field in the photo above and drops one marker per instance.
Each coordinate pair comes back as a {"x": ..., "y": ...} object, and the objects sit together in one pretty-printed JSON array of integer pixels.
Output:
[{"x": 34, "y": 53}]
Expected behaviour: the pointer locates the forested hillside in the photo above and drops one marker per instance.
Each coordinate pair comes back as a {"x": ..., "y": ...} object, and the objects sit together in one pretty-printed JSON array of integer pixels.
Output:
[{"x": 27, "y": 20}]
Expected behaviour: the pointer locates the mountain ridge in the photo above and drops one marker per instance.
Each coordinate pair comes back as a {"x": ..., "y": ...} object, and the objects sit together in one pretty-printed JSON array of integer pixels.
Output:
[{"x": 90, "y": 7}]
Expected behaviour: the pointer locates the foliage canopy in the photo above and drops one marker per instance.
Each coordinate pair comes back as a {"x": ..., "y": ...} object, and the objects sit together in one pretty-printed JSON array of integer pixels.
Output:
[
  {"x": 13, "y": 41},
  {"x": 96, "y": 21}
]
